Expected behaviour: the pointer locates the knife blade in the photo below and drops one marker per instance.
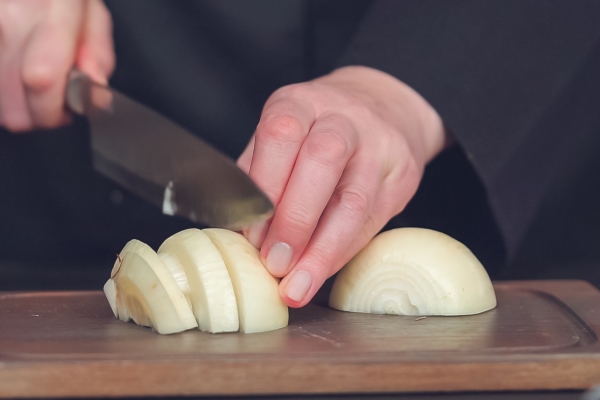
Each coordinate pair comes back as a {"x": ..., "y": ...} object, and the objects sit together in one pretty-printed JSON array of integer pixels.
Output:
[{"x": 163, "y": 163}]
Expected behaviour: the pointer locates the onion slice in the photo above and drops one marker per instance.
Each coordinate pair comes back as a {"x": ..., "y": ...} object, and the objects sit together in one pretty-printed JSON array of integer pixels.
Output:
[
  {"x": 146, "y": 292},
  {"x": 260, "y": 308},
  {"x": 211, "y": 291}
]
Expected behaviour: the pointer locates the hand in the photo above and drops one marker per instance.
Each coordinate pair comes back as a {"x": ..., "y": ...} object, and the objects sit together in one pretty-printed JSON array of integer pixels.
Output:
[
  {"x": 40, "y": 42},
  {"x": 338, "y": 156}
]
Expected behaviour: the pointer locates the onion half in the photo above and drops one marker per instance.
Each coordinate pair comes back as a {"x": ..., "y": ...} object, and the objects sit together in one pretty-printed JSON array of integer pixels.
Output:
[{"x": 413, "y": 271}]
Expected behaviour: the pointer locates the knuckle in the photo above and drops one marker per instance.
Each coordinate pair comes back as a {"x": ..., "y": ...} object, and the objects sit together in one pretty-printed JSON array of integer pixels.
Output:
[
  {"x": 361, "y": 109},
  {"x": 403, "y": 168},
  {"x": 297, "y": 222},
  {"x": 321, "y": 256},
  {"x": 37, "y": 76},
  {"x": 293, "y": 91},
  {"x": 280, "y": 127},
  {"x": 410, "y": 170},
  {"x": 401, "y": 185},
  {"x": 373, "y": 225},
  {"x": 354, "y": 201},
  {"x": 328, "y": 145}
]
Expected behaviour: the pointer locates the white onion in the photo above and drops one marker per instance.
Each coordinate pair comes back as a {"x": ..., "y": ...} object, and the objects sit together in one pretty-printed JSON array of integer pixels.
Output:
[
  {"x": 211, "y": 291},
  {"x": 413, "y": 271},
  {"x": 146, "y": 292},
  {"x": 227, "y": 286},
  {"x": 260, "y": 307}
]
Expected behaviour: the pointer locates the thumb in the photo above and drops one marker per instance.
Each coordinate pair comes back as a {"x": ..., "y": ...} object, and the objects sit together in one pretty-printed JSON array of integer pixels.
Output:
[{"x": 96, "y": 55}]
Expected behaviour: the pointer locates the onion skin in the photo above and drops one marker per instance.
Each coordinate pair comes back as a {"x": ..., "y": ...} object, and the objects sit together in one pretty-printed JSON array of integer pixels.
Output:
[{"x": 413, "y": 271}]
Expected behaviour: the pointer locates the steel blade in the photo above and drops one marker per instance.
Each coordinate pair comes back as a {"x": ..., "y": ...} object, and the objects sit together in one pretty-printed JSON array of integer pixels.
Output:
[{"x": 162, "y": 162}]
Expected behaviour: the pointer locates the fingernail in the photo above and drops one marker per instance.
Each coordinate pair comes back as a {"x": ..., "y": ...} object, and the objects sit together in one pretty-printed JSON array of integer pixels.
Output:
[
  {"x": 298, "y": 285},
  {"x": 279, "y": 258},
  {"x": 255, "y": 234}
]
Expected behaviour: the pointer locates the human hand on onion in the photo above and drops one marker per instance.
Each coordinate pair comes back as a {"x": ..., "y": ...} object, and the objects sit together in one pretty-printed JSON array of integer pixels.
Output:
[
  {"x": 40, "y": 42},
  {"x": 338, "y": 156}
]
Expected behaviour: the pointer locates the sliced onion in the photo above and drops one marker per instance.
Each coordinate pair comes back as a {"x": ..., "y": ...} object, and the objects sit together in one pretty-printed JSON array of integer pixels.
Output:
[
  {"x": 211, "y": 291},
  {"x": 260, "y": 308},
  {"x": 147, "y": 293}
]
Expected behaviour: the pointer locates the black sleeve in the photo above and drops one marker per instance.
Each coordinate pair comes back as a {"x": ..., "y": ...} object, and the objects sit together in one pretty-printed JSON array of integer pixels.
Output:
[{"x": 516, "y": 82}]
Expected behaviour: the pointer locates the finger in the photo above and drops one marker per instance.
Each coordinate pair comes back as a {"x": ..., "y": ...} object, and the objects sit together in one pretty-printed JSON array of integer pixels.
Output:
[
  {"x": 347, "y": 225},
  {"x": 323, "y": 157},
  {"x": 398, "y": 187},
  {"x": 47, "y": 60},
  {"x": 17, "y": 20},
  {"x": 284, "y": 125},
  {"x": 13, "y": 104},
  {"x": 245, "y": 159},
  {"x": 350, "y": 217},
  {"x": 96, "y": 55}
]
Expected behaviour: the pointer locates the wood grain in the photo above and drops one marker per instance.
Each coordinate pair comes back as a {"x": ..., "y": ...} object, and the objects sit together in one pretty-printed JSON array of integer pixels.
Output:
[{"x": 543, "y": 335}]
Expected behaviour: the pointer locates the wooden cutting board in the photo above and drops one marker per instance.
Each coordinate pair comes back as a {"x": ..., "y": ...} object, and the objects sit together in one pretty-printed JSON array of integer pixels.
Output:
[{"x": 543, "y": 335}]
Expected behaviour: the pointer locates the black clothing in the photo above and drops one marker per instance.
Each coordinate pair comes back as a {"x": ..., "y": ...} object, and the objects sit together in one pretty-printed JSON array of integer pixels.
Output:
[{"x": 516, "y": 83}]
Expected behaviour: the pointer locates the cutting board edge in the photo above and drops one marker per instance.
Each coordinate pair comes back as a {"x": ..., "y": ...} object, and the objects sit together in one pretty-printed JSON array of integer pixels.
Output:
[{"x": 107, "y": 379}]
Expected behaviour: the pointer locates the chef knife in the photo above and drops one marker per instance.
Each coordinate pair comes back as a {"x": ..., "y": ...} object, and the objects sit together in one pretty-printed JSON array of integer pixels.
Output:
[{"x": 162, "y": 162}]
